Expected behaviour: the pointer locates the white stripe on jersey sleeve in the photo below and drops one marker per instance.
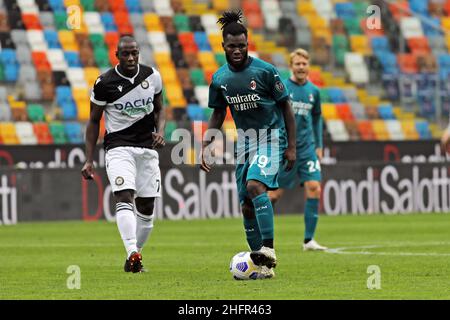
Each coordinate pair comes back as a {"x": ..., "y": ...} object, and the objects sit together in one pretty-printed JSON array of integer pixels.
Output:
[
  {"x": 158, "y": 81},
  {"x": 97, "y": 102}
]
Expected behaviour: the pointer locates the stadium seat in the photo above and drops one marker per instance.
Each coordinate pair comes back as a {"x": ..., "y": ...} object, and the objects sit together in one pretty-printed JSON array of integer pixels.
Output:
[
  {"x": 407, "y": 63},
  {"x": 25, "y": 133},
  {"x": 423, "y": 129},
  {"x": 5, "y": 112},
  {"x": 336, "y": 95},
  {"x": 58, "y": 132},
  {"x": 8, "y": 133},
  {"x": 366, "y": 130},
  {"x": 74, "y": 132},
  {"x": 36, "y": 112},
  {"x": 344, "y": 111},
  {"x": 337, "y": 130},
  {"x": 409, "y": 129},
  {"x": 69, "y": 110},
  {"x": 380, "y": 130},
  {"x": 195, "y": 112},
  {"x": 395, "y": 130},
  {"x": 386, "y": 112},
  {"x": 329, "y": 111}
]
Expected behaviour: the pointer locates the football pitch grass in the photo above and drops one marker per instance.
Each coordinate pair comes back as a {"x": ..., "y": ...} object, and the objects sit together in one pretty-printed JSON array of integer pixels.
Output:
[{"x": 190, "y": 259}]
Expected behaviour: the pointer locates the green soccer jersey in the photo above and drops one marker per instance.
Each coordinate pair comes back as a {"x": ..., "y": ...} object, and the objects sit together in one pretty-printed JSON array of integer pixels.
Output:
[
  {"x": 252, "y": 94},
  {"x": 306, "y": 104}
]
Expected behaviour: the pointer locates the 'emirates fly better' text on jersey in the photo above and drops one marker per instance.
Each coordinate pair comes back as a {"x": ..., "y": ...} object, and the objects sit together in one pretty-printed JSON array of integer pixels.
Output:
[
  {"x": 252, "y": 95},
  {"x": 128, "y": 106}
]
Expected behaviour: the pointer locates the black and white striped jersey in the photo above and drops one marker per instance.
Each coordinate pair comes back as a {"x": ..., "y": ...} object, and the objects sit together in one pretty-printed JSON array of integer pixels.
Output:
[{"x": 128, "y": 106}]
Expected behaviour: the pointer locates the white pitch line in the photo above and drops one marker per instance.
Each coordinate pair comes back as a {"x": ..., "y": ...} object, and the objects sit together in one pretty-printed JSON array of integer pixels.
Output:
[{"x": 341, "y": 250}]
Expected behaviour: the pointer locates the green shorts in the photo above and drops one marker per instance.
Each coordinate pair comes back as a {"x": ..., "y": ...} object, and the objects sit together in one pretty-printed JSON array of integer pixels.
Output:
[{"x": 263, "y": 166}]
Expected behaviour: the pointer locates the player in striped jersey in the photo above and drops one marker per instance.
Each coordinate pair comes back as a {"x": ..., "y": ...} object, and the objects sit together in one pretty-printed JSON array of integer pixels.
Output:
[{"x": 130, "y": 96}]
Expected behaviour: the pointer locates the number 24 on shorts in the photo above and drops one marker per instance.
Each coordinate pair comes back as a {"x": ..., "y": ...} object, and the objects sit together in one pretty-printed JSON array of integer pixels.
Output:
[{"x": 313, "y": 166}]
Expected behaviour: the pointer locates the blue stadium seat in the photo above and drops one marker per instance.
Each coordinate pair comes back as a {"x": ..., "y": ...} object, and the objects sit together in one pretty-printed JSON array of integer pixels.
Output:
[
  {"x": 444, "y": 66},
  {"x": 336, "y": 95},
  {"x": 11, "y": 72},
  {"x": 195, "y": 112},
  {"x": 419, "y": 6},
  {"x": 133, "y": 6},
  {"x": 345, "y": 10},
  {"x": 432, "y": 26},
  {"x": 380, "y": 44},
  {"x": 202, "y": 41},
  {"x": 73, "y": 59},
  {"x": 108, "y": 21},
  {"x": 389, "y": 62},
  {"x": 63, "y": 94},
  {"x": 8, "y": 56},
  {"x": 74, "y": 132},
  {"x": 52, "y": 39},
  {"x": 57, "y": 5},
  {"x": 69, "y": 110},
  {"x": 423, "y": 129},
  {"x": 386, "y": 112}
]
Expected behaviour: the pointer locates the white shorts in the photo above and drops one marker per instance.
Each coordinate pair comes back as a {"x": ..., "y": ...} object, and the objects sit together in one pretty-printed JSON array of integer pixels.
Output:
[{"x": 134, "y": 168}]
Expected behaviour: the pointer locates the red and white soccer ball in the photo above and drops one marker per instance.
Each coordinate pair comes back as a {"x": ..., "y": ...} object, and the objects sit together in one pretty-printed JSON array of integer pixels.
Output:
[{"x": 243, "y": 268}]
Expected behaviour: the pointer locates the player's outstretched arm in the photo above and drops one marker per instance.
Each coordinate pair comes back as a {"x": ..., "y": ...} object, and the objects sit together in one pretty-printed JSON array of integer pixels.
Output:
[
  {"x": 92, "y": 131},
  {"x": 289, "y": 120},
  {"x": 215, "y": 122},
  {"x": 160, "y": 121}
]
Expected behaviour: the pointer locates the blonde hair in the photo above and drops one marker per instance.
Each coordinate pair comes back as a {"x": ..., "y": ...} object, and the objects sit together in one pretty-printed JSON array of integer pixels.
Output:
[{"x": 300, "y": 53}]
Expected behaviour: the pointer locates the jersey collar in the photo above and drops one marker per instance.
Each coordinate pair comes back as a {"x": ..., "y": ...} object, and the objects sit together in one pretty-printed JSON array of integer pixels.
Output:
[
  {"x": 298, "y": 84},
  {"x": 129, "y": 79},
  {"x": 249, "y": 61}
]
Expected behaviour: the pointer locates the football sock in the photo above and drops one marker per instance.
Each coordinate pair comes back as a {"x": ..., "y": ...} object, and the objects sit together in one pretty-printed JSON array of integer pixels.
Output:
[
  {"x": 126, "y": 223},
  {"x": 264, "y": 216},
  {"x": 144, "y": 227},
  {"x": 253, "y": 234},
  {"x": 311, "y": 217},
  {"x": 268, "y": 243}
]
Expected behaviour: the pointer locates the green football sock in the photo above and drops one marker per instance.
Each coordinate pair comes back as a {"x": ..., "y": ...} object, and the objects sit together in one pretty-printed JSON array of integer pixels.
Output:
[
  {"x": 264, "y": 215},
  {"x": 253, "y": 234},
  {"x": 311, "y": 217}
]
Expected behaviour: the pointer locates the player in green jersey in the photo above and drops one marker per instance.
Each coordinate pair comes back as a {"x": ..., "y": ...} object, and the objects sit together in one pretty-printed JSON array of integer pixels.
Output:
[
  {"x": 305, "y": 99},
  {"x": 259, "y": 103}
]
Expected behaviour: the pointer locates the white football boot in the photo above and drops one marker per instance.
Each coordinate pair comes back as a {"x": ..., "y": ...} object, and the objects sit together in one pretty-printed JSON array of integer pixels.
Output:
[
  {"x": 266, "y": 273},
  {"x": 312, "y": 245},
  {"x": 264, "y": 257}
]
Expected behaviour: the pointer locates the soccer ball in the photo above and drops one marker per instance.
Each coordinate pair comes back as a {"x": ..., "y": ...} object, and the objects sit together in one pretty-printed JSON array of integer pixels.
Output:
[{"x": 243, "y": 268}]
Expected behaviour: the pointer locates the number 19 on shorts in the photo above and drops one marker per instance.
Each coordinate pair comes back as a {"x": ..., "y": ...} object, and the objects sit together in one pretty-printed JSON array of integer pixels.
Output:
[{"x": 260, "y": 160}]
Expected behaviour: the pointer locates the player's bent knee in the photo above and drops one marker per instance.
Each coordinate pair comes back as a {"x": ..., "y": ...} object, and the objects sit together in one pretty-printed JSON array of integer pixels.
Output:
[
  {"x": 124, "y": 196},
  {"x": 255, "y": 188},
  {"x": 145, "y": 205},
  {"x": 313, "y": 188}
]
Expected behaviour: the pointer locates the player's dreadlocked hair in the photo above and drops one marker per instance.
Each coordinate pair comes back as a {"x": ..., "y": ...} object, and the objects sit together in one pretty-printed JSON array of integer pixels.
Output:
[{"x": 231, "y": 22}]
